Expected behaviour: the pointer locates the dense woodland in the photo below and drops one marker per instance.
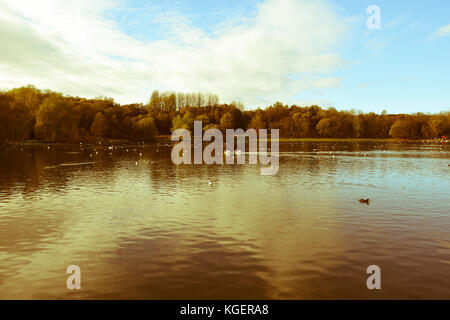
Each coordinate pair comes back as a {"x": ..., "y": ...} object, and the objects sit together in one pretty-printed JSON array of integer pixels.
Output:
[{"x": 28, "y": 113}]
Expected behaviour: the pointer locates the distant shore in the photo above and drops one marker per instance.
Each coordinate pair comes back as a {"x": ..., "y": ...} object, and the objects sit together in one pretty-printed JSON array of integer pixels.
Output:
[
  {"x": 357, "y": 140},
  {"x": 166, "y": 138}
]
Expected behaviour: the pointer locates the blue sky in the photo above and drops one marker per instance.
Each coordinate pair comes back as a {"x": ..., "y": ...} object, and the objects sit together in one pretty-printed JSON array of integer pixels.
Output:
[
  {"x": 410, "y": 70},
  {"x": 258, "y": 52}
]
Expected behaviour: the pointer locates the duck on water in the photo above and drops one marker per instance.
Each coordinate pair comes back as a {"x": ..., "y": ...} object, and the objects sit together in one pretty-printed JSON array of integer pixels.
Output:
[{"x": 366, "y": 201}]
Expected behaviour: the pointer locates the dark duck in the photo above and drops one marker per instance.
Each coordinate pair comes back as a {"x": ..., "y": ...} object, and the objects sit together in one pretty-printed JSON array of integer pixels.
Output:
[{"x": 366, "y": 201}]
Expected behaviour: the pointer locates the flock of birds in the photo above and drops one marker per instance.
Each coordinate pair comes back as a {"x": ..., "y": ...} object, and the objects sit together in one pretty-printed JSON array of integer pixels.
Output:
[
  {"x": 226, "y": 153},
  {"x": 110, "y": 148}
]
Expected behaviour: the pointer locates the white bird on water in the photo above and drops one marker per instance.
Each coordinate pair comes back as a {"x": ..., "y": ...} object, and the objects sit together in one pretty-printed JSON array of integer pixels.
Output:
[{"x": 210, "y": 183}]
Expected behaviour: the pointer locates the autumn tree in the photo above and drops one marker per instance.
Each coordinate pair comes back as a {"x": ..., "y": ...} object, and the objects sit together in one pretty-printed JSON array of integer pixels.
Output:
[
  {"x": 227, "y": 121},
  {"x": 145, "y": 128},
  {"x": 258, "y": 121},
  {"x": 327, "y": 128},
  {"x": 56, "y": 119},
  {"x": 5, "y": 117},
  {"x": 155, "y": 101},
  {"x": 183, "y": 122},
  {"x": 29, "y": 113},
  {"x": 400, "y": 129},
  {"x": 99, "y": 126}
]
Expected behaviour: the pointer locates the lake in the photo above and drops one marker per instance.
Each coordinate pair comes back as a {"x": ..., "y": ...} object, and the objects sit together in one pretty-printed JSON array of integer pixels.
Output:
[{"x": 140, "y": 227}]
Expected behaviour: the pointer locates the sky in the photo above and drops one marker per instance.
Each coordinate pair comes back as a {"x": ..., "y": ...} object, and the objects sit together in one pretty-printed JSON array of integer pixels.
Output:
[{"x": 254, "y": 51}]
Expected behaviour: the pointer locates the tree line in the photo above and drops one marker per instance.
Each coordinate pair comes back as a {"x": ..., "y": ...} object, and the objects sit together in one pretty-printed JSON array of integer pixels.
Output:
[{"x": 29, "y": 113}]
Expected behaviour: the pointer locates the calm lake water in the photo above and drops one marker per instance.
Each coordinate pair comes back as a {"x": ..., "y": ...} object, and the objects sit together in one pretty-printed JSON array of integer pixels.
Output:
[{"x": 141, "y": 227}]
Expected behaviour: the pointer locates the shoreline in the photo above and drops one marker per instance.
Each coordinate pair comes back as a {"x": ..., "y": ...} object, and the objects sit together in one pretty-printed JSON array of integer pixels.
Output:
[{"x": 166, "y": 138}]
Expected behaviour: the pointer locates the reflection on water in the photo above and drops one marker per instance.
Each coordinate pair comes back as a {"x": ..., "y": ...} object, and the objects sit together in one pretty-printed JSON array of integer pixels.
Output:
[{"x": 142, "y": 227}]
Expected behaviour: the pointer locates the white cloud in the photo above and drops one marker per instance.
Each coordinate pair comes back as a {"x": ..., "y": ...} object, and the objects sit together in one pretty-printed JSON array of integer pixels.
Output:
[
  {"x": 69, "y": 46},
  {"x": 376, "y": 44},
  {"x": 397, "y": 22},
  {"x": 442, "y": 32}
]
